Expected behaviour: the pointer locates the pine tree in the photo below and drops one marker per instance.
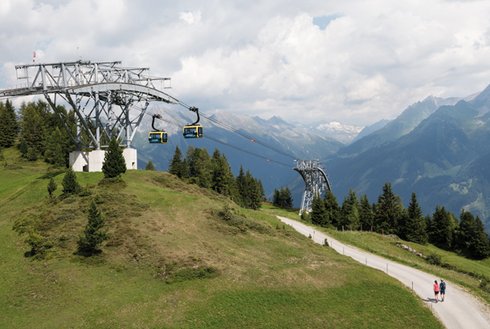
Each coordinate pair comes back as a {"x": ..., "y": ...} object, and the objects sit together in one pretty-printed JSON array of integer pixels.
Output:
[
  {"x": 33, "y": 130},
  {"x": 70, "y": 183},
  {"x": 51, "y": 187},
  {"x": 222, "y": 180},
  {"x": 93, "y": 235},
  {"x": 413, "y": 227},
  {"x": 366, "y": 214},
  {"x": 176, "y": 164},
  {"x": 250, "y": 190},
  {"x": 54, "y": 153},
  {"x": 471, "y": 239},
  {"x": 8, "y": 125},
  {"x": 150, "y": 166},
  {"x": 332, "y": 208},
  {"x": 319, "y": 214},
  {"x": 199, "y": 167},
  {"x": 441, "y": 229},
  {"x": 114, "y": 163},
  {"x": 349, "y": 213},
  {"x": 388, "y": 211},
  {"x": 282, "y": 198}
]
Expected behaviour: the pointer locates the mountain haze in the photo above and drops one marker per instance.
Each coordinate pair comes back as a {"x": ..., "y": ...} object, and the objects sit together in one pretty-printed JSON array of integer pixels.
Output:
[{"x": 444, "y": 158}]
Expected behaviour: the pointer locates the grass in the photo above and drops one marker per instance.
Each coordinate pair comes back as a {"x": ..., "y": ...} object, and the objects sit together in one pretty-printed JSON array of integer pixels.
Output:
[
  {"x": 173, "y": 262},
  {"x": 388, "y": 246}
]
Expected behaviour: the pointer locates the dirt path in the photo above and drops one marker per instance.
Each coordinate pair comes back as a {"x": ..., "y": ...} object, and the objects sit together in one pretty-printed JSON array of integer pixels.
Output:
[{"x": 459, "y": 309}]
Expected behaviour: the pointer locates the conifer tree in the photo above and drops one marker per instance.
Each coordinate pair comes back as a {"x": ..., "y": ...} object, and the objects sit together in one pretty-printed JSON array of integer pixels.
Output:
[
  {"x": 114, "y": 163},
  {"x": 332, "y": 208},
  {"x": 55, "y": 153},
  {"x": 319, "y": 214},
  {"x": 176, "y": 164},
  {"x": 350, "y": 218},
  {"x": 282, "y": 198},
  {"x": 33, "y": 130},
  {"x": 388, "y": 211},
  {"x": 250, "y": 190},
  {"x": 366, "y": 214},
  {"x": 70, "y": 183},
  {"x": 441, "y": 229},
  {"x": 222, "y": 180},
  {"x": 471, "y": 239},
  {"x": 414, "y": 227},
  {"x": 51, "y": 187},
  {"x": 150, "y": 166},
  {"x": 199, "y": 167},
  {"x": 94, "y": 234},
  {"x": 8, "y": 125}
]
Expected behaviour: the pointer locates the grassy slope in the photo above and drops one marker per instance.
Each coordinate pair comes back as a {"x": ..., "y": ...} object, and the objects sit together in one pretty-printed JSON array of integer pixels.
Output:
[
  {"x": 386, "y": 246},
  {"x": 165, "y": 234}
]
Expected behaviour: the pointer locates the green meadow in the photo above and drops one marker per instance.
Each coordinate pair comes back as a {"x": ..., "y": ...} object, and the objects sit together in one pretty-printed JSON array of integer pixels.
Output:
[{"x": 173, "y": 260}]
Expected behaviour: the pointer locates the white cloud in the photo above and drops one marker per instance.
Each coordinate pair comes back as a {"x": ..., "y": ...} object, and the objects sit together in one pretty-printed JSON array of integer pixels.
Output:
[
  {"x": 313, "y": 61},
  {"x": 190, "y": 17}
]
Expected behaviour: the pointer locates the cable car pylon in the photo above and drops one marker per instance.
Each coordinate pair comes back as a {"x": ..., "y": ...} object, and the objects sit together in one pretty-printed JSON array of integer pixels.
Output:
[{"x": 316, "y": 182}]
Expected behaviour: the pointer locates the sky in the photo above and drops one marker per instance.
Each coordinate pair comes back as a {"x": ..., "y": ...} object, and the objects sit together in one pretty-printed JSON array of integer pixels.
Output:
[{"x": 310, "y": 61}]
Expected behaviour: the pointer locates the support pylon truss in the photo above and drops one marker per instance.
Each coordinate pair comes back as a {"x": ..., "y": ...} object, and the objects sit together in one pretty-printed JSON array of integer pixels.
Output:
[
  {"x": 316, "y": 182},
  {"x": 108, "y": 100}
]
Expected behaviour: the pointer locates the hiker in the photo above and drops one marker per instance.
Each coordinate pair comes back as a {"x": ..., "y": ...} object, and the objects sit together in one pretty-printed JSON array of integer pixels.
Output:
[
  {"x": 442, "y": 289},
  {"x": 436, "y": 291}
]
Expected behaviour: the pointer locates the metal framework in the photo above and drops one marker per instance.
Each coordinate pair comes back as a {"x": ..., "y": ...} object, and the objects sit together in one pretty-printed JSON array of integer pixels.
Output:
[
  {"x": 316, "y": 182},
  {"x": 108, "y": 99}
]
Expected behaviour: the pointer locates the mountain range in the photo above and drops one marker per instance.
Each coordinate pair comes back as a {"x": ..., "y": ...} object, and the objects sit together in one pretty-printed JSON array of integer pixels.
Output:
[{"x": 436, "y": 147}]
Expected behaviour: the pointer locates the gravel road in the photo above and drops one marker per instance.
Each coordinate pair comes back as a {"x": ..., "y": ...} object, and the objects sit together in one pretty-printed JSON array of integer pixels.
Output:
[{"x": 459, "y": 310}]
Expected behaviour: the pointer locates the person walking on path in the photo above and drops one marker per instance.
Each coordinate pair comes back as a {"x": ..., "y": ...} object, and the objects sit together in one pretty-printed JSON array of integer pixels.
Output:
[
  {"x": 436, "y": 291},
  {"x": 442, "y": 289}
]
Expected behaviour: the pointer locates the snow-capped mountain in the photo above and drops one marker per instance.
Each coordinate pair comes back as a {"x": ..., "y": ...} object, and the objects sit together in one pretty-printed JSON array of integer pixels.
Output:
[{"x": 338, "y": 131}]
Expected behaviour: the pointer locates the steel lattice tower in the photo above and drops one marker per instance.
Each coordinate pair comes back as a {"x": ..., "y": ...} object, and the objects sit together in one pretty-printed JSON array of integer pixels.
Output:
[
  {"x": 316, "y": 182},
  {"x": 108, "y": 100}
]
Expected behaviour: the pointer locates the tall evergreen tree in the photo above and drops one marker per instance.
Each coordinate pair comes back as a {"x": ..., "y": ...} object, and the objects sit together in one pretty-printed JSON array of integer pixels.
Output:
[
  {"x": 199, "y": 167},
  {"x": 55, "y": 153},
  {"x": 114, "y": 163},
  {"x": 388, "y": 211},
  {"x": 441, "y": 229},
  {"x": 414, "y": 227},
  {"x": 8, "y": 125},
  {"x": 349, "y": 213},
  {"x": 70, "y": 183},
  {"x": 282, "y": 198},
  {"x": 94, "y": 234},
  {"x": 176, "y": 165},
  {"x": 33, "y": 130},
  {"x": 333, "y": 209},
  {"x": 250, "y": 190},
  {"x": 366, "y": 214},
  {"x": 471, "y": 239},
  {"x": 222, "y": 180},
  {"x": 319, "y": 214}
]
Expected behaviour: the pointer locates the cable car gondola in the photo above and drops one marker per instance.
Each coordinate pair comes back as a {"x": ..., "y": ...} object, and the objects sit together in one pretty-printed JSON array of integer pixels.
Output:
[
  {"x": 193, "y": 130},
  {"x": 157, "y": 136}
]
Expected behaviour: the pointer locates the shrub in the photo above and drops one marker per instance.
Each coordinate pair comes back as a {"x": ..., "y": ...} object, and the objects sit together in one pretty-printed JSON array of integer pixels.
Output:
[{"x": 434, "y": 259}]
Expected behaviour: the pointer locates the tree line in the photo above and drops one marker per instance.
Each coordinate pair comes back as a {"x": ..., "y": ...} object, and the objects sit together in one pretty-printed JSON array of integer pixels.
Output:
[
  {"x": 215, "y": 173},
  {"x": 40, "y": 133},
  {"x": 465, "y": 236}
]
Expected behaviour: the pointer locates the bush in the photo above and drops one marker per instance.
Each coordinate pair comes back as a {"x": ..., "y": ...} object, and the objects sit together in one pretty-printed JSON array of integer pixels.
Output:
[
  {"x": 434, "y": 259},
  {"x": 38, "y": 243}
]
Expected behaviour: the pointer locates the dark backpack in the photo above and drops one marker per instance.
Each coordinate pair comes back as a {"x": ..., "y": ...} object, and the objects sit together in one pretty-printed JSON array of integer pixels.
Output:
[{"x": 442, "y": 286}]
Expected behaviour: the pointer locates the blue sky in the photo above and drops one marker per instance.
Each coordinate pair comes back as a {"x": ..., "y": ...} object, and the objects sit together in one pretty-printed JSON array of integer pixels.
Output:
[{"x": 308, "y": 61}]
